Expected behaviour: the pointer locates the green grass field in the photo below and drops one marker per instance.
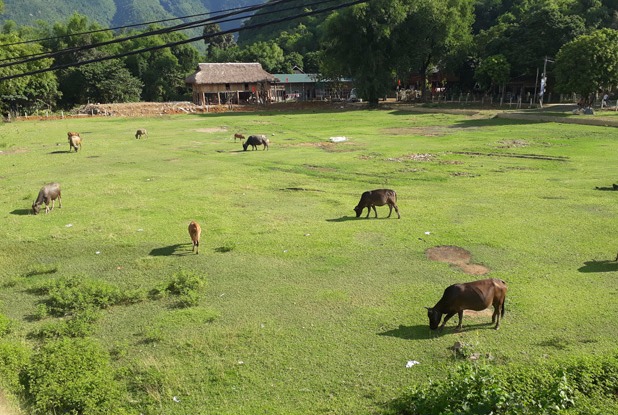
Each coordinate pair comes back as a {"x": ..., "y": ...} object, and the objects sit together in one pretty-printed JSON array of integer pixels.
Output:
[{"x": 308, "y": 309}]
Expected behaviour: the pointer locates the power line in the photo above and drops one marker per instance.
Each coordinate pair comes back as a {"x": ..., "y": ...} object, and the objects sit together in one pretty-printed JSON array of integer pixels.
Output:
[
  {"x": 184, "y": 41},
  {"x": 182, "y": 26},
  {"x": 121, "y": 27}
]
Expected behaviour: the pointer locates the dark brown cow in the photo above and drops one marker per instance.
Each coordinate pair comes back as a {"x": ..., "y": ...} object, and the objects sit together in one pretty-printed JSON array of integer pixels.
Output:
[
  {"x": 378, "y": 197},
  {"x": 475, "y": 295}
]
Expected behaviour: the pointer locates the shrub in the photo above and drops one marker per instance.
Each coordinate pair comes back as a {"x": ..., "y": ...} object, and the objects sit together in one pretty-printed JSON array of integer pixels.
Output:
[
  {"x": 187, "y": 287},
  {"x": 79, "y": 325},
  {"x": 13, "y": 361},
  {"x": 69, "y": 295},
  {"x": 5, "y": 325},
  {"x": 577, "y": 387},
  {"x": 72, "y": 376}
]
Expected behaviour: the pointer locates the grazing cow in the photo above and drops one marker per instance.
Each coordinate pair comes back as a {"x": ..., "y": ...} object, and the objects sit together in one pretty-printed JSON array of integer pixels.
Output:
[
  {"x": 475, "y": 295},
  {"x": 378, "y": 197},
  {"x": 195, "y": 232},
  {"x": 256, "y": 140},
  {"x": 141, "y": 132},
  {"x": 48, "y": 194},
  {"x": 75, "y": 141},
  {"x": 239, "y": 136}
]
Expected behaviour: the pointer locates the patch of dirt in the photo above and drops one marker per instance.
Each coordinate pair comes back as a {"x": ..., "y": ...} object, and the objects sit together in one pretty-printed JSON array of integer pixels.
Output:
[
  {"x": 212, "y": 130},
  {"x": 319, "y": 168},
  {"x": 512, "y": 144},
  {"x": 457, "y": 256},
  {"x": 12, "y": 151},
  {"x": 413, "y": 157}
]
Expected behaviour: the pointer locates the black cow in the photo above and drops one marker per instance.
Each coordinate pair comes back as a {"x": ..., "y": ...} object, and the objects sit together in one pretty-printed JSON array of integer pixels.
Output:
[
  {"x": 378, "y": 197},
  {"x": 475, "y": 295}
]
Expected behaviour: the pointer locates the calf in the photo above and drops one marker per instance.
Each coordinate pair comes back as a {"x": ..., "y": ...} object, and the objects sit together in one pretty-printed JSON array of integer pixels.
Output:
[
  {"x": 475, "y": 295},
  {"x": 75, "y": 141},
  {"x": 141, "y": 132},
  {"x": 195, "y": 232},
  {"x": 256, "y": 140},
  {"x": 48, "y": 194},
  {"x": 239, "y": 136},
  {"x": 378, "y": 197}
]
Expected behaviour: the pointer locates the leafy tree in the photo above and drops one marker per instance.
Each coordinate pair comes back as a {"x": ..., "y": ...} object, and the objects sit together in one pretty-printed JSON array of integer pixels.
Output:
[
  {"x": 29, "y": 92},
  {"x": 214, "y": 41},
  {"x": 433, "y": 33},
  {"x": 357, "y": 44},
  {"x": 105, "y": 81},
  {"x": 588, "y": 63},
  {"x": 269, "y": 54},
  {"x": 493, "y": 71},
  {"x": 529, "y": 32},
  {"x": 162, "y": 71}
]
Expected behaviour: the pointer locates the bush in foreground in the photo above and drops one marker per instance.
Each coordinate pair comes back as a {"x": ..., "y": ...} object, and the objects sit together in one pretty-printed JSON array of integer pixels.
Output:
[{"x": 583, "y": 386}]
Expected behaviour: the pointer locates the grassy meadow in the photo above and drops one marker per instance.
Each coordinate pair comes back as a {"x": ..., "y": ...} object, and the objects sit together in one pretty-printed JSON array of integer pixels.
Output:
[{"x": 306, "y": 308}]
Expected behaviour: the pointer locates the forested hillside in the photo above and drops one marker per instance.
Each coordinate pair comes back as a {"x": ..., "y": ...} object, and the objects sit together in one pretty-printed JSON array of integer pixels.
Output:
[{"x": 111, "y": 13}]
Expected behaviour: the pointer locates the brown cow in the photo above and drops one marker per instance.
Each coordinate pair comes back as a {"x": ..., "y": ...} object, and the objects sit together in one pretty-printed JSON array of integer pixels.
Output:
[
  {"x": 195, "y": 232},
  {"x": 239, "y": 136},
  {"x": 475, "y": 295},
  {"x": 378, "y": 197},
  {"x": 75, "y": 141}
]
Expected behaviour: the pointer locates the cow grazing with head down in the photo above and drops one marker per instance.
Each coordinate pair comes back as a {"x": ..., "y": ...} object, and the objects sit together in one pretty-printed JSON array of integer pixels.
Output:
[
  {"x": 48, "y": 194},
  {"x": 256, "y": 140},
  {"x": 75, "y": 141},
  {"x": 475, "y": 295},
  {"x": 141, "y": 132},
  {"x": 378, "y": 197}
]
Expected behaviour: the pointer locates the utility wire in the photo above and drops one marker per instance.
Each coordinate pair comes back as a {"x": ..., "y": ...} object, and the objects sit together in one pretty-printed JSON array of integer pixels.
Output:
[
  {"x": 120, "y": 27},
  {"x": 184, "y": 41},
  {"x": 182, "y": 26}
]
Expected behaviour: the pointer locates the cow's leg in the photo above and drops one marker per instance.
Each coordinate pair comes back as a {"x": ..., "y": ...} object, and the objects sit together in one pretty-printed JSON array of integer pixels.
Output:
[
  {"x": 397, "y": 210},
  {"x": 446, "y": 318},
  {"x": 495, "y": 318},
  {"x": 460, "y": 315},
  {"x": 390, "y": 210},
  {"x": 375, "y": 210},
  {"x": 368, "y": 212}
]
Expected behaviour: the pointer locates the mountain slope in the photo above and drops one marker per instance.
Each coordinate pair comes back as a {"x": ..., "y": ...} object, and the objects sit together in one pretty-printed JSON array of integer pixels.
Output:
[{"x": 111, "y": 13}]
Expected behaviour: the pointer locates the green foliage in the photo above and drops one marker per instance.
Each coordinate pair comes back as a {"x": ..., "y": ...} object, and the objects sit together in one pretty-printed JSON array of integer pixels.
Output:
[
  {"x": 5, "y": 325},
  {"x": 588, "y": 63},
  {"x": 73, "y": 295},
  {"x": 14, "y": 359},
  {"x": 493, "y": 71},
  {"x": 187, "y": 287},
  {"x": 72, "y": 376},
  {"x": 80, "y": 324}
]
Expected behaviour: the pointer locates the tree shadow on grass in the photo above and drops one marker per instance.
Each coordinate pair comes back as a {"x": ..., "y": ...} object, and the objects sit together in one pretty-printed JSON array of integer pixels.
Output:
[
  {"x": 21, "y": 212},
  {"x": 599, "y": 266},
  {"x": 177, "y": 249}
]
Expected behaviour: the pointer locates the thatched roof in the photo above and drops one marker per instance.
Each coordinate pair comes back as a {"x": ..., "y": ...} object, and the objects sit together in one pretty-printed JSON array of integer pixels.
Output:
[{"x": 229, "y": 73}]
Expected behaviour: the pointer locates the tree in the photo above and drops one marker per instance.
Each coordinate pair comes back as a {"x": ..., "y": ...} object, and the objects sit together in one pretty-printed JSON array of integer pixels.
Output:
[
  {"x": 431, "y": 35},
  {"x": 268, "y": 54},
  {"x": 357, "y": 44},
  {"x": 30, "y": 92},
  {"x": 493, "y": 71},
  {"x": 214, "y": 41},
  {"x": 529, "y": 32},
  {"x": 588, "y": 63},
  {"x": 162, "y": 71}
]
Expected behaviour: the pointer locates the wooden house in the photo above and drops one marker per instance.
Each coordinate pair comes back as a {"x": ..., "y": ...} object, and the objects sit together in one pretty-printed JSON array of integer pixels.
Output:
[{"x": 219, "y": 83}]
